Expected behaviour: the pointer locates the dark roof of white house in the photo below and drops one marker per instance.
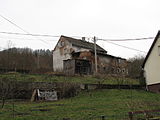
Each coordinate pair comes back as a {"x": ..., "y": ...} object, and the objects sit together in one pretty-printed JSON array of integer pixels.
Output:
[{"x": 150, "y": 50}]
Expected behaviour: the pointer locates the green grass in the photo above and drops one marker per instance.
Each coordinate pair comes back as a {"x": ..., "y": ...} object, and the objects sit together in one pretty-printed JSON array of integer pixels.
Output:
[
  {"x": 76, "y": 79},
  {"x": 114, "y": 104}
]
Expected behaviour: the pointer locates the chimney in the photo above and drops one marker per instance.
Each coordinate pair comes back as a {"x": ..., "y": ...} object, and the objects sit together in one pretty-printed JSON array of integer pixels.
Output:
[{"x": 83, "y": 38}]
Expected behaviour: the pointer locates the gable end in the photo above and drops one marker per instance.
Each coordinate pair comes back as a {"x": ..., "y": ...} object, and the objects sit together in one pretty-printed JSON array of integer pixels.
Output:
[{"x": 150, "y": 50}]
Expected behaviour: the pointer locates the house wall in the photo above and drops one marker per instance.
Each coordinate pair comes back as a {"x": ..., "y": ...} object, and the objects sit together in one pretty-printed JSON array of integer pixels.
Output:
[
  {"x": 63, "y": 52},
  {"x": 154, "y": 88},
  {"x": 152, "y": 66},
  {"x": 24, "y": 90},
  {"x": 112, "y": 65},
  {"x": 106, "y": 64},
  {"x": 69, "y": 67}
]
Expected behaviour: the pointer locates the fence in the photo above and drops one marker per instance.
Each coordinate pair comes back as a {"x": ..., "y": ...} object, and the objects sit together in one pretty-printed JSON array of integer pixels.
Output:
[
  {"x": 146, "y": 114},
  {"x": 109, "y": 86}
]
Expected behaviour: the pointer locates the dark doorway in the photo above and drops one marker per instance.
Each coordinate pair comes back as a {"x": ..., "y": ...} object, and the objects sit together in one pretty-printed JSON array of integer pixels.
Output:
[{"x": 82, "y": 67}]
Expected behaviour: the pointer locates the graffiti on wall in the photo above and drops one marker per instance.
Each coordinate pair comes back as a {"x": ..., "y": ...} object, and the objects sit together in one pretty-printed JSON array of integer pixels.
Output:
[{"x": 47, "y": 95}]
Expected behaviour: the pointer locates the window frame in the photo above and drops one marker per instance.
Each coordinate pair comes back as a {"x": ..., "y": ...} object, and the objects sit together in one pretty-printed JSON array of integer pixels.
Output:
[{"x": 158, "y": 50}]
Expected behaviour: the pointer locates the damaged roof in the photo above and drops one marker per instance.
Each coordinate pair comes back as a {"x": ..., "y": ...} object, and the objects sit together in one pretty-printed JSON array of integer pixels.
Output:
[
  {"x": 103, "y": 54},
  {"x": 84, "y": 44}
]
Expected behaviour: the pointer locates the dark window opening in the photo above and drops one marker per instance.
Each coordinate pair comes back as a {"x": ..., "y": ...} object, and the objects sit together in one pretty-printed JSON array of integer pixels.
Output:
[
  {"x": 104, "y": 68},
  {"x": 82, "y": 67},
  {"x": 118, "y": 70}
]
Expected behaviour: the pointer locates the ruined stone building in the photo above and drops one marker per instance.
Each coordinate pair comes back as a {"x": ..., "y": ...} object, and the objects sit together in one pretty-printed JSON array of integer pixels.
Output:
[{"x": 75, "y": 56}]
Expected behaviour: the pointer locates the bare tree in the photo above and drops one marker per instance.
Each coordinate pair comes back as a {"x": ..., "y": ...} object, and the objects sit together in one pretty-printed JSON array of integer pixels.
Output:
[
  {"x": 6, "y": 89},
  {"x": 25, "y": 59},
  {"x": 135, "y": 66}
]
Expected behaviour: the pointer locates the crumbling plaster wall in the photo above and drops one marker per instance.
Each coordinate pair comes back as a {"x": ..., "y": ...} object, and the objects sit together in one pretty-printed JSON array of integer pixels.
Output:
[
  {"x": 62, "y": 52},
  {"x": 106, "y": 64}
]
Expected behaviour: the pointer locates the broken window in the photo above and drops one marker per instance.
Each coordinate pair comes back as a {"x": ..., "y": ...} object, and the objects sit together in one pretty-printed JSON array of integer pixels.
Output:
[
  {"x": 118, "y": 70},
  {"x": 104, "y": 68},
  {"x": 123, "y": 70}
]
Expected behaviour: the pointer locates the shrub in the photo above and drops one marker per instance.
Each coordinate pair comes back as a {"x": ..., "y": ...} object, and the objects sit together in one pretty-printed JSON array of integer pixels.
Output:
[
  {"x": 7, "y": 86},
  {"x": 68, "y": 89}
]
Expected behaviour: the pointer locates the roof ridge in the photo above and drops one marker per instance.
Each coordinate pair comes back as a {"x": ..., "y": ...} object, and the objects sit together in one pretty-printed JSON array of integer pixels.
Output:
[
  {"x": 77, "y": 39},
  {"x": 83, "y": 43}
]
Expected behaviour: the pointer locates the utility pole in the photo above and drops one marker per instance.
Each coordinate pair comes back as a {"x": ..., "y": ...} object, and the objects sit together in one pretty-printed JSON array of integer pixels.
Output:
[
  {"x": 95, "y": 55},
  {"x": 53, "y": 61},
  {"x": 38, "y": 60}
]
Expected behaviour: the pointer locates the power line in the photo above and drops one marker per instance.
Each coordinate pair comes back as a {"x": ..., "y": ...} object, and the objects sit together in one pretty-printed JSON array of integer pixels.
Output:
[
  {"x": 134, "y": 39},
  {"x": 19, "y": 27},
  {"x": 45, "y": 35},
  {"x": 58, "y": 36},
  {"x": 12, "y": 38},
  {"x": 29, "y": 34},
  {"x": 126, "y": 47},
  {"x": 14, "y": 24}
]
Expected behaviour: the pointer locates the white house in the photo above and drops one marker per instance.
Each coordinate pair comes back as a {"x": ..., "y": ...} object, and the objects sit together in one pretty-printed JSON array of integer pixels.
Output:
[{"x": 151, "y": 66}]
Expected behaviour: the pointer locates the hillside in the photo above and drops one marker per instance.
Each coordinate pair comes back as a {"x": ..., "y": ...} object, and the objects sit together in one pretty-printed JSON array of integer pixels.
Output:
[
  {"x": 76, "y": 79},
  {"x": 88, "y": 105}
]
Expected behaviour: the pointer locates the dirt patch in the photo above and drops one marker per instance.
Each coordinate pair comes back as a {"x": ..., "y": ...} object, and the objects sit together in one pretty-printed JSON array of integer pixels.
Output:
[
  {"x": 49, "y": 105},
  {"x": 58, "y": 104},
  {"x": 42, "y": 110},
  {"x": 21, "y": 114}
]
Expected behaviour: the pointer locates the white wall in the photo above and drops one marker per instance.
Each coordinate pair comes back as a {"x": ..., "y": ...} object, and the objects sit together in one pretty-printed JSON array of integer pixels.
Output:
[
  {"x": 60, "y": 54},
  {"x": 152, "y": 66},
  {"x": 63, "y": 53},
  {"x": 58, "y": 60}
]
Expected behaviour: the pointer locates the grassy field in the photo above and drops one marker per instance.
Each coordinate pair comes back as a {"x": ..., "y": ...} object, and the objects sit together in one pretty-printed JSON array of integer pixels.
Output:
[
  {"x": 88, "y": 105},
  {"x": 76, "y": 79}
]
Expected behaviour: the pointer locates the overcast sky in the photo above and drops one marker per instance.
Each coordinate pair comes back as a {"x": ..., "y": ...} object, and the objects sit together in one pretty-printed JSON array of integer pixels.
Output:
[{"x": 109, "y": 19}]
